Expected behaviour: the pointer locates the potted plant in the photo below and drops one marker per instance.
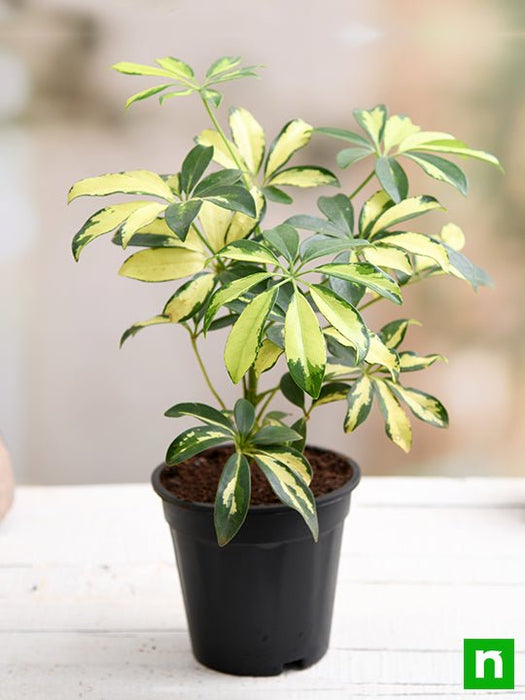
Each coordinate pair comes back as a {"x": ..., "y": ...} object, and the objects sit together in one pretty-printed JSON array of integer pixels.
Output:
[{"x": 293, "y": 298}]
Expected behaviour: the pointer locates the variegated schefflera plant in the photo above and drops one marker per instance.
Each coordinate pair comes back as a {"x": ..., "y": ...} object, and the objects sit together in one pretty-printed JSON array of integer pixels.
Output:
[{"x": 294, "y": 293}]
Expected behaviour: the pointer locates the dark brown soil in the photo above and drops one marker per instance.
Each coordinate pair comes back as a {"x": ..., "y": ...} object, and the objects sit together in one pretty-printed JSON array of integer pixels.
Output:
[{"x": 196, "y": 479}]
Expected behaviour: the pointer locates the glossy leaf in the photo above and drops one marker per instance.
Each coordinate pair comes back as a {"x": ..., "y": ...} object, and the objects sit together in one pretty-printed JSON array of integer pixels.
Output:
[
  {"x": 333, "y": 391},
  {"x": 397, "y": 128},
  {"x": 405, "y": 210},
  {"x": 418, "y": 244},
  {"x": 304, "y": 346},
  {"x": 222, "y": 178},
  {"x": 397, "y": 423},
  {"x": 139, "y": 218},
  {"x": 366, "y": 274},
  {"x": 163, "y": 264},
  {"x": 226, "y": 155},
  {"x": 130, "y": 182},
  {"x": 359, "y": 400},
  {"x": 276, "y": 435},
  {"x": 456, "y": 147},
  {"x": 379, "y": 353},
  {"x": 233, "y": 498},
  {"x": 441, "y": 169},
  {"x": 293, "y": 136},
  {"x": 234, "y": 198},
  {"x": 424, "y": 406},
  {"x": 249, "y": 251},
  {"x": 232, "y": 291},
  {"x": 245, "y": 337},
  {"x": 189, "y": 299},
  {"x": 222, "y": 64},
  {"x": 392, "y": 178},
  {"x": 339, "y": 211},
  {"x": 344, "y": 135},
  {"x": 267, "y": 356},
  {"x": 319, "y": 246},
  {"x": 372, "y": 209},
  {"x": 411, "y": 362},
  {"x": 290, "y": 488},
  {"x": 180, "y": 216},
  {"x": 194, "y": 441},
  {"x": 144, "y": 94},
  {"x": 276, "y": 195},
  {"x": 385, "y": 256},
  {"x": 372, "y": 121},
  {"x": 392, "y": 334},
  {"x": 201, "y": 411},
  {"x": 139, "y": 69},
  {"x": 244, "y": 414},
  {"x": 285, "y": 239},
  {"x": 291, "y": 391},
  {"x": 136, "y": 327},
  {"x": 343, "y": 317},
  {"x": 303, "y": 176},
  {"x": 176, "y": 67}
]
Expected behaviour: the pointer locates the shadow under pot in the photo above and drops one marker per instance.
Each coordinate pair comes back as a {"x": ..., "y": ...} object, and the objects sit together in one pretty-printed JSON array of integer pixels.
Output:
[{"x": 263, "y": 602}]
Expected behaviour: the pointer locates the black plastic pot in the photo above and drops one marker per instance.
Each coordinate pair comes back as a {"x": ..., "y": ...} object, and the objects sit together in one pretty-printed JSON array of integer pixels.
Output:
[{"x": 264, "y": 601}]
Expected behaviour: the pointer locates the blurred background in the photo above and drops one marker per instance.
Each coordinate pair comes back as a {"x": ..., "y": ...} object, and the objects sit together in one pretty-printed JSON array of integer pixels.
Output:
[{"x": 73, "y": 408}]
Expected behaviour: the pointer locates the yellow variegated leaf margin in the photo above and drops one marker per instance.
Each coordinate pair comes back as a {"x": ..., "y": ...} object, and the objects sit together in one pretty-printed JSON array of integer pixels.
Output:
[
  {"x": 293, "y": 136},
  {"x": 343, "y": 317},
  {"x": 245, "y": 337},
  {"x": 102, "y": 222},
  {"x": 290, "y": 457},
  {"x": 291, "y": 489},
  {"x": 248, "y": 136},
  {"x": 215, "y": 222},
  {"x": 413, "y": 142},
  {"x": 397, "y": 128},
  {"x": 163, "y": 264},
  {"x": 411, "y": 362},
  {"x": 304, "y": 345},
  {"x": 233, "y": 498},
  {"x": 372, "y": 209},
  {"x": 380, "y": 354},
  {"x": 267, "y": 356},
  {"x": 383, "y": 256},
  {"x": 333, "y": 391},
  {"x": 227, "y": 156},
  {"x": 130, "y": 182},
  {"x": 393, "y": 333},
  {"x": 242, "y": 224},
  {"x": 189, "y": 298},
  {"x": 406, "y": 209},
  {"x": 359, "y": 400},
  {"x": 397, "y": 423},
  {"x": 424, "y": 406},
  {"x": 139, "y": 218},
  {"x": 303, "y": 176},
  {"x": 418, "y": 244}
]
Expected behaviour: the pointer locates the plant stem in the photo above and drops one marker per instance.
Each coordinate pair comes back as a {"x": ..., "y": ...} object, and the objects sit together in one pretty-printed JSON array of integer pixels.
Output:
[
  {"x": 225, "y": 141},
  {"x": 363, "y": 184},
  {"x": 204, "y": 372},
  {"x": 266, "y": 402}
]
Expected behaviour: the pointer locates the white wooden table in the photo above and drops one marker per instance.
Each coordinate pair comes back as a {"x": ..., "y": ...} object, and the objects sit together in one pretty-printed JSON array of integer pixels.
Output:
[{"x": 90, "y": 605}]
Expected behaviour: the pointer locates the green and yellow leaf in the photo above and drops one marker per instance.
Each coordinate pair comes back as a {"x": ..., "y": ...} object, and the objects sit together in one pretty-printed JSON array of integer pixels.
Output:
[
  {"x": 411, "y": 362},
  {"x": 424, "y": 406},
  {"x": 163, "y": 264},
  {"x": 194, "y": 441},
  {"x": 372, "y": 209},
  {"x": 359, "y": 400},
  {"x": 203, "y": 412},
  {"x": 384, "y": 256},
  {"x": 293, "y": 136},
  {"x": 397, "y": 423},
  {"x": 304, "y": 345},
  {"x": 398, "y": 127},
  {"x": 215, "y": 222},
  {"x": 291, "y": 489},
  {"x": 267, "y": 356},
  {"x": 405, "y": 210},
  {"x": 458, "y": 148},
  {"x": 233, "y": 498},
  {"x": 381, "y": 354},
  {"x": 441, "y": 169},
  {"x": 232, "y": 291},
  {"x": 227, "y": 156},
  {"x": 393, "y": 333},
  {"x": 139, "y": 218},
  {"x": 453, "y": 236},
  {"x": 249, "y": 251},
  {"x": 303, "y": 176},
  {"x": 241, "y": 224},
  {"x": 290, "y": 457},
  {"x": 372, "y": 121},
  {"x": 248, "y": 136},
  {"x": 130, "y": 182},
  {"x": 367, "y": 275},
  {"x": 343, "y": 317},
  {"x": 413, "y": 142},
  {"x": 136, "y": 327},
  {"x": 418, "y": 244},
  {"x": 189, "y": 298},
  {"x": 102, "y": 222},
  {"x": 245, "y": 337},
  {"x": 333, "y": 391}
]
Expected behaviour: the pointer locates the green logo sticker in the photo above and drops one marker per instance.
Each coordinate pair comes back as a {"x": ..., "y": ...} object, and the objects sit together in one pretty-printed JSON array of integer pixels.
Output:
[{"x": 488, "y": 663}]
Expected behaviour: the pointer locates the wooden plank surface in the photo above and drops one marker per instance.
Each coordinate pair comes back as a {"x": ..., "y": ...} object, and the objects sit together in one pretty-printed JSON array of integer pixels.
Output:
[{"x": 90, "y": 604}]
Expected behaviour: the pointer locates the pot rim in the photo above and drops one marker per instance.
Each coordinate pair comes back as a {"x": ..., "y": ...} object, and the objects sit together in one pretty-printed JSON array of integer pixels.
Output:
[{"x": 170, "y": 497}]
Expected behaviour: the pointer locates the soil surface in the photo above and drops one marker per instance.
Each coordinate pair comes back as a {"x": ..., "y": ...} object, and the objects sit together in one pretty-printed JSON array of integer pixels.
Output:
[{"x": 197, "y": 478}]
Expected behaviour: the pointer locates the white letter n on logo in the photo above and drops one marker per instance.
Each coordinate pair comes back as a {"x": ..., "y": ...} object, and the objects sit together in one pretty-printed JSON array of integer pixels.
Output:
[{"x": 482, "y": 657}]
